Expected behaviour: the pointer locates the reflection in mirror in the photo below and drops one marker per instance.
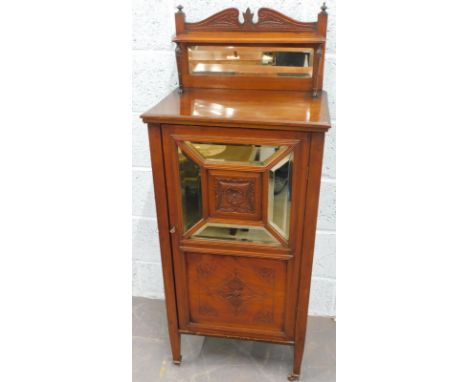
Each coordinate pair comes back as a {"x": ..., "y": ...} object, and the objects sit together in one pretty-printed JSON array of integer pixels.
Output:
[
  {"x": 236, "y": 233},
  {"x": 190, "y": 185},
  {"x": 250, "y": 61},
  {"x": 250, "y": 154},
  {"x": 279, "y": 195}
]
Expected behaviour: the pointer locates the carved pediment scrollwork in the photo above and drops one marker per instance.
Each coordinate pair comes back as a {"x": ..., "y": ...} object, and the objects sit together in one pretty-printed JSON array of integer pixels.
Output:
[{"x": 268, "y": 20}]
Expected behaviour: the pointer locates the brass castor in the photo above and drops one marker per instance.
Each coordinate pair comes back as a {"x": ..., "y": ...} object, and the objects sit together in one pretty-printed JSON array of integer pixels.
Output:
[
  {"x": 177, "y": 362},
  {"x": 293, "y": 377}
]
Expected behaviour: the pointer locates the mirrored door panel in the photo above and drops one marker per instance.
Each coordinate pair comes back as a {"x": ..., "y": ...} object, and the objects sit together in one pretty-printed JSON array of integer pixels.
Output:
[{"x": 241, "y": 189}]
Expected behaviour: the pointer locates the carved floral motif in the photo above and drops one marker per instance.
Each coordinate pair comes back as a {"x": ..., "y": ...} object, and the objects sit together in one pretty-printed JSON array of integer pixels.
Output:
[
  {"x": 248, "y": 18},
  {"x": 236, "y": 292},
  {"x": 263, "y": 317},
  {"x": 224, "y": 20},
  {"x": 205, "y": 270},
  {"x": 268, "y": 19},
  {"x": 267, "y": 274},
  {"x": 235, "y": 195},
  {"x": 207, "y": 310}
]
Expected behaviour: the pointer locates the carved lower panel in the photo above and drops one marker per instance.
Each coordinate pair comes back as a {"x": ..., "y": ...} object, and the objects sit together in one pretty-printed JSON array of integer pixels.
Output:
[{"x": 236, "y": 291}]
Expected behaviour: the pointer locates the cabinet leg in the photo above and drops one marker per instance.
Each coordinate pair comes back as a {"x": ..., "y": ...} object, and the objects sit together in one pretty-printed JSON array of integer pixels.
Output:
[
  {"x": 175, "y": 346},
  {"x": 298, "y": 353}
]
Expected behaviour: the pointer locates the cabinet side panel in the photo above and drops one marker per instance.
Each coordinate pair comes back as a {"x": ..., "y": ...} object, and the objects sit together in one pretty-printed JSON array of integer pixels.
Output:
[
  {"x": 159, "y": 181},
  {"x": 310, "y": 225}
]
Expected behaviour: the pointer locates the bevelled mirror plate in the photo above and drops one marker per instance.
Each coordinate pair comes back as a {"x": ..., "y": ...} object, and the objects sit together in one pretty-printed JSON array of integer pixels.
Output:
[
  {"x": 190, "y": 189},
  {"x": 255, "y": 155},
  {"x": 279, "y": 195},
  {"x": 250, "y": 61},
  {"x": 236, "y": 233},
  {"x": 279, "y": 178}
]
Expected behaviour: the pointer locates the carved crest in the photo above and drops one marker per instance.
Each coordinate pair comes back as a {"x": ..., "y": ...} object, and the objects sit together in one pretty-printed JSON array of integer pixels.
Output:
[
  {"x": 268, "y": 20},
  {"x": 224, "y": 20},
  {"x": 248, "y": 19}
]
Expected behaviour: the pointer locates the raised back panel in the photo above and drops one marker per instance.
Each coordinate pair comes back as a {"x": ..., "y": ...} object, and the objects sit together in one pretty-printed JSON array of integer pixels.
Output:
[{"x": 274, "y": 53}]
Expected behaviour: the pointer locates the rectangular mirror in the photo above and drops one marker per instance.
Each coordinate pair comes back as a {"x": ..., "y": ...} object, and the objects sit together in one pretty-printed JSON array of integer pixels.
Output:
[{"x": 250, "y": 61}]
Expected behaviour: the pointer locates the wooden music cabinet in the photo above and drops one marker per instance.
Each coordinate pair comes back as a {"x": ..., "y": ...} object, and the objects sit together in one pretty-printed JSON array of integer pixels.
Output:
[{"x": 236, "y": 155}]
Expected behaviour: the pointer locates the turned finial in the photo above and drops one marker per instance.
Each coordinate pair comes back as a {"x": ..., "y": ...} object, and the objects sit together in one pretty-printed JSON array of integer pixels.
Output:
[
  {"x": 180, "y": 7},
  {"x": 324, "y": 7}
]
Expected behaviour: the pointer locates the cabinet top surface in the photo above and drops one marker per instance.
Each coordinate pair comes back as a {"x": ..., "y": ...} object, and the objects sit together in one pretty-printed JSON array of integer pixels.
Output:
[{"x": 287, "y": 110}]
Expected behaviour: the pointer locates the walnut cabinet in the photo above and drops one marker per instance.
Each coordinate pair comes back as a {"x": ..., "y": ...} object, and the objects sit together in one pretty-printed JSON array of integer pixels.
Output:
[{"x": 236, "y": 156}]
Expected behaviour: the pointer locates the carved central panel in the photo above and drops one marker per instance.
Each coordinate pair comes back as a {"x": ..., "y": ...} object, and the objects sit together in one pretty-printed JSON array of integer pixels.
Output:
[{"x": 235, "y": 195}]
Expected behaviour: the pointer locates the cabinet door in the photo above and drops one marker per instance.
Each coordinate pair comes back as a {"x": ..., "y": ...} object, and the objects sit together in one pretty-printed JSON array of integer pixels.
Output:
[{"x": 236, "y": 205}]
